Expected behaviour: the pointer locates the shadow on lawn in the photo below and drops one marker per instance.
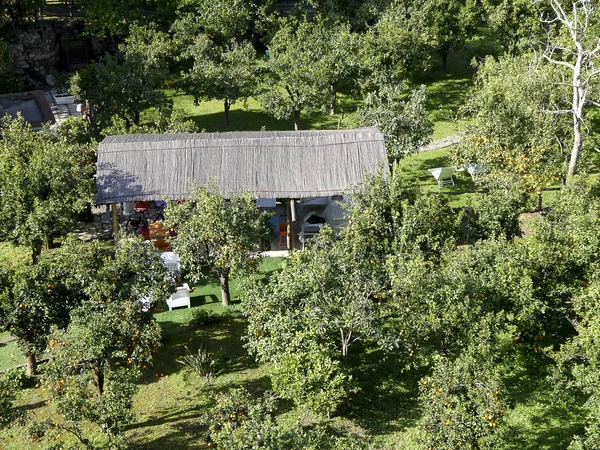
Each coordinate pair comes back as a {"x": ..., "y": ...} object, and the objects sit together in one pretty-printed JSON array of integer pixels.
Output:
[
  {"x": 527, "y": 385},
  {"x": 203, "y": 299},
  {"x": 185, "y": 429},
  {"x": 387, "y": 400},
  {"x": 222, "y": 340}
]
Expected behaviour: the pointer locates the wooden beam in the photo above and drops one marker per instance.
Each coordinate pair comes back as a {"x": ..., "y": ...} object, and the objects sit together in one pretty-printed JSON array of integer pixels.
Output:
[{"x": 115, "y": 220}]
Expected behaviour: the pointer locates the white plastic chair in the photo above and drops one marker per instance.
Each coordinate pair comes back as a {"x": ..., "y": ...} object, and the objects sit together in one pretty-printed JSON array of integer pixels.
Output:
[
  {"x": 474, "y": 169},
  {"x": 181, "y": 297},
  {"x": 443, "y": 175}
]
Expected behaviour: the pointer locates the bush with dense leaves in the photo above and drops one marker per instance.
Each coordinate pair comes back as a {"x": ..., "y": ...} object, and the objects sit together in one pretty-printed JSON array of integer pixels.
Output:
[
  {"x": 462, "y": 405},
  {"x": 11, "y": 382}
]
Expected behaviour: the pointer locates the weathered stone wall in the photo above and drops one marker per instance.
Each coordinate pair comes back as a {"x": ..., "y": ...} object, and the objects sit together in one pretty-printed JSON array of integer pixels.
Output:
[{"x": 35, "y": 52}]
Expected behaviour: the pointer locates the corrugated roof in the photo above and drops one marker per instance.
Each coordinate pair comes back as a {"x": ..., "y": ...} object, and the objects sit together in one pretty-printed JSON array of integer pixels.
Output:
[{"x": 281, "y": 164}]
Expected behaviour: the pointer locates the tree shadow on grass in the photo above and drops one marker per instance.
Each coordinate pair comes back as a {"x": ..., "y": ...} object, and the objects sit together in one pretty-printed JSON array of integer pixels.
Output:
[
  {"x": 223, "y": 341},
  {"x": 185, "y": 429},
  {"x": 387, "y": 400},
  {"x": 541, "y": 419},
  {"x": 203, "y": 299}
]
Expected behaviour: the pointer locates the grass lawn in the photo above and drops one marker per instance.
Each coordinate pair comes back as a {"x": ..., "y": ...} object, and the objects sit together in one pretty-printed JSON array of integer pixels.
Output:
[
  {"x": 415, "y": 167},
  {"x": 446, "y": 93}
]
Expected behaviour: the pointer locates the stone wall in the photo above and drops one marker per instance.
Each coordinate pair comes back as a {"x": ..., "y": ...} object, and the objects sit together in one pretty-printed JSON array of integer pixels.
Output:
[{"x": 35, "y": 52}]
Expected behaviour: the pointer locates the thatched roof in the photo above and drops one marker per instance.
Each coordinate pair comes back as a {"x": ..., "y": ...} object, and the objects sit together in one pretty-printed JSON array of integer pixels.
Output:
[{"x": 289, "y": 164}]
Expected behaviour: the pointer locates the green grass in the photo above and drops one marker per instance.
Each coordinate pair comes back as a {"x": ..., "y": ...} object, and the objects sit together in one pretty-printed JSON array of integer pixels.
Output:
[
  {"x": 10, "y": 353},
  {"x": 415, "y": 168},
  {"x": 249, "y": 115},
  {"x": 11, "y": 254}
]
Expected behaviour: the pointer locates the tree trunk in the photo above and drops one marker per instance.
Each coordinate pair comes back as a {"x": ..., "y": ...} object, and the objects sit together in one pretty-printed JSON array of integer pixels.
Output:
[
  {"x": 224, "y": 277},
  {"x": 31, "y": 364},
  {"x": 578, "y": 101},
  {"x": 345, "y": 346},
  {"x": 296, "y": 119},
  {"x": 36, "y": 251},
  {"x": 30, "y": 361},
  {"x": 444, "y": 61},
  {"x": 539, "y": 206},
  {"x": 332, "y": 98},
  {"x": 227, "y": 106},
  {"x": 99, "y": 379}
]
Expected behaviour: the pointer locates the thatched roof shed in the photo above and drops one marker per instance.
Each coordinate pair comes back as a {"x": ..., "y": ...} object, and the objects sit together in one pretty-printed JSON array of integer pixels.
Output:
[{"x": 281, "y": 164}]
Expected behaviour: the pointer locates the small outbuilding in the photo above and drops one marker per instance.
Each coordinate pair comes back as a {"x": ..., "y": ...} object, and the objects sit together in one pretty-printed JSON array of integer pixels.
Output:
[
  {"x": 268, "y": 164},
  {"x": 275, "y": 164}
]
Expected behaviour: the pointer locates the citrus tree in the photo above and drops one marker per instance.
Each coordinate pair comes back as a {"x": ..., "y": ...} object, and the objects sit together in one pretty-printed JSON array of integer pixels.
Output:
[
  {"x": 112, "y": 335},
  {"x": 45, "y": 182},
  {"x": 217, "y": 234},
  {"x": 309, "y": 317}
]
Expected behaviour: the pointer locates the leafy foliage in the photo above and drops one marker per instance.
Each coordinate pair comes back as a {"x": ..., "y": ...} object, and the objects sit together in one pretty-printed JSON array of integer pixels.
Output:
[
  {"x": 514, "y": 22},
  {"x": 404, "y": 123},
  {"x": 218, "y": 235},
  {"x": 305, "y": 321},
  {"x": 307, "y": 59},
  {"x": 125, "y": 86},
  {"x": 97, "y": 359},
  {"x": 391, "y": 49},
  {"x": 241, "y": 421},
  {"x": 514, "y": 135},
  {"x": 200, "y": 363},
  {"x": 38, "y": 195},
  {"x": 11, "y": 383},
  {"x": 462, "y": 405},
  {"x": 495, "y": 214},
  {"x": 34, "y": 299},
  {"x": 444, "y": 24}
]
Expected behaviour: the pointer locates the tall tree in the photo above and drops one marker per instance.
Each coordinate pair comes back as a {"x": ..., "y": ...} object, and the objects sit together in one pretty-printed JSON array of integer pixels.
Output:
[
  {"x": 515, "y": 22},
  {"x": 309, "y": 317},
  {"x": 578, "y": 361},
  {"x": 112, "y": 336},
  {"x": 403, "y": 121},
  {"x": 444, "y": 24},
  {"x": 36, "y": 298},
  {"x": 111, "y": 18},
  {"x": 218, "y": 41},
  {"x": 391, "y": 49},
  {"x": 227, "y": 73},
  {"x": 45, "y": 183},
  {"x": 125, "y": 86},
  {"x": 299, "y": 78},
  {"x": 574, "y": 46},
  {"x": 512, "y": 133},
  {"x": 218, "y": 234}
]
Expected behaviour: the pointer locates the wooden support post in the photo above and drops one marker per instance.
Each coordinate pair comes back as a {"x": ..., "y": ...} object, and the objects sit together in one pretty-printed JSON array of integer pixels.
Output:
[
  {"x": 290, "y": 228},
  {"x": 115, "y": 220}
]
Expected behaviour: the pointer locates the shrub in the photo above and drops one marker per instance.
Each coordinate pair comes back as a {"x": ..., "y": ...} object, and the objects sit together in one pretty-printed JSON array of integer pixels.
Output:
[
  {"x": 200, "y": 363},
  {"x": 239, "y": 421},
  {"x": 203, "y": 317},
  {"x": 462, "y": 405},
  {"x": 11, "y": 382},
  {"x": 496, "y": 214}
]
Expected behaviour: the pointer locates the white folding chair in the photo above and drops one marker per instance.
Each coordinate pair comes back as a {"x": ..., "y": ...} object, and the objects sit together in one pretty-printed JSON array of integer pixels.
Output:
[
  {"x": 443, "y": 175},
  {"x": 181, "y": 297}
]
